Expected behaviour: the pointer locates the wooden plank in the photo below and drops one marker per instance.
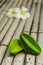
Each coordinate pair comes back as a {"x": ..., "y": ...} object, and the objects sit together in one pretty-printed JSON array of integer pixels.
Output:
[
  {"x": 3, "y": 23},
  {"x": 19, "y": 29},
  {"x": 15, "y": 4},
  {"x": 30, "y": 59},
  {"x": 35, "y": 1},
  {"x": 15, "y": 23},
  {"x": 19, "y": 59},
  {"x": 19, "y": 4},
  {"x": 10, "y": 4},
  {"x": 36, "y": 18},
  {"x": 41, "y": 21},
  {"x": 39, "y": 1},
  {"x": 2, "y": 51},
  {"x": 27, "y": 56},
  {"x": 7, "y": 61},
  {"x": 39, "y": 59},
  {"x": 16, "y": 35},
  {"x": 42, "y": 2},
  {"x": 3, "y": 14},
  {"x": 10, "y": 33},
  {"x": 21, "y": 55},
  {"x": 24, "y": 3},
  {"x": 4, "y": 6},
  {"x": 29, "y": 5},
  {"x": 29, "y": 21},
  {"x": 2, "y": 3},
  {"x": 6, "y": 28},
  {"x": 34, "y": 35}
]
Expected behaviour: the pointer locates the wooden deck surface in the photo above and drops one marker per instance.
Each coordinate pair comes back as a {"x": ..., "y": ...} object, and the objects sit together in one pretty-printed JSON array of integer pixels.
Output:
[{"x": 11, "y": 29}]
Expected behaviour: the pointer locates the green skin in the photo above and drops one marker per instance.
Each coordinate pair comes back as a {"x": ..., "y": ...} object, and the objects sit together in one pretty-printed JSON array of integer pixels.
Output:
[
  {"x": 25, "y": 42},
  {"x": 29, "y": 44},
  {"x": 14, "y": 47}
]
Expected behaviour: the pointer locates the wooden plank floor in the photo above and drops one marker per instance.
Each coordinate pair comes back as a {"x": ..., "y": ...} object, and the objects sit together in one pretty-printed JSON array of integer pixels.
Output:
[{"x": 12, "y": 28}]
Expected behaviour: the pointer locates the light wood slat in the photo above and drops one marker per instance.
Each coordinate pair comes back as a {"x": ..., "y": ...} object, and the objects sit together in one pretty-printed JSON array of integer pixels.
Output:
[
  {"x": 15, "y": 4},
  {"x": 2, "y": 9},
  {"x": 4, "y": 6},
  {"x": 4, "y": 13},
  {"x": 29, "y": 5},
  {"x": 36, "y": 18},
  {"x": 19, "y": 59},
  {"x": 42, "y": 2},
  {"x": 2, "y": 34},
  {"x": 19, "y": 29},
  {"x": 39, "y": 1},
  {"x": 24, "y": 3},
  {"x": 22, "y": 58},
  {"x": 34, "y": 35},
  {"x": 3, "y": 23},
  {"x": 2, "y": 3},
  {"x": 7, "y": 61},
  {"x": 6, "y": 27},
  {"x": 7, "y": 56},
  {"x": 19, "y": 4},
  {"x": 29, "y": 21},
  {"x": 2, "y": 51},
  {"x": 39, "y": 59},
  {"x": 10, "y": 33},
  {"x": 10, "y": 4},
  {"x": 21, "y": 55},
  {"x": 35, "y": 1},
  {"x": 30, "y": 59},
  {"x": 41, "y": 21}
]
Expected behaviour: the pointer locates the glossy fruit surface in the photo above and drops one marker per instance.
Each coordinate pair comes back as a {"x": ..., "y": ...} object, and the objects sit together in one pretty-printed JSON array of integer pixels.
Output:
[
  {"x": 14, "y": 47},
  {"x": 29, "y": 44}
]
